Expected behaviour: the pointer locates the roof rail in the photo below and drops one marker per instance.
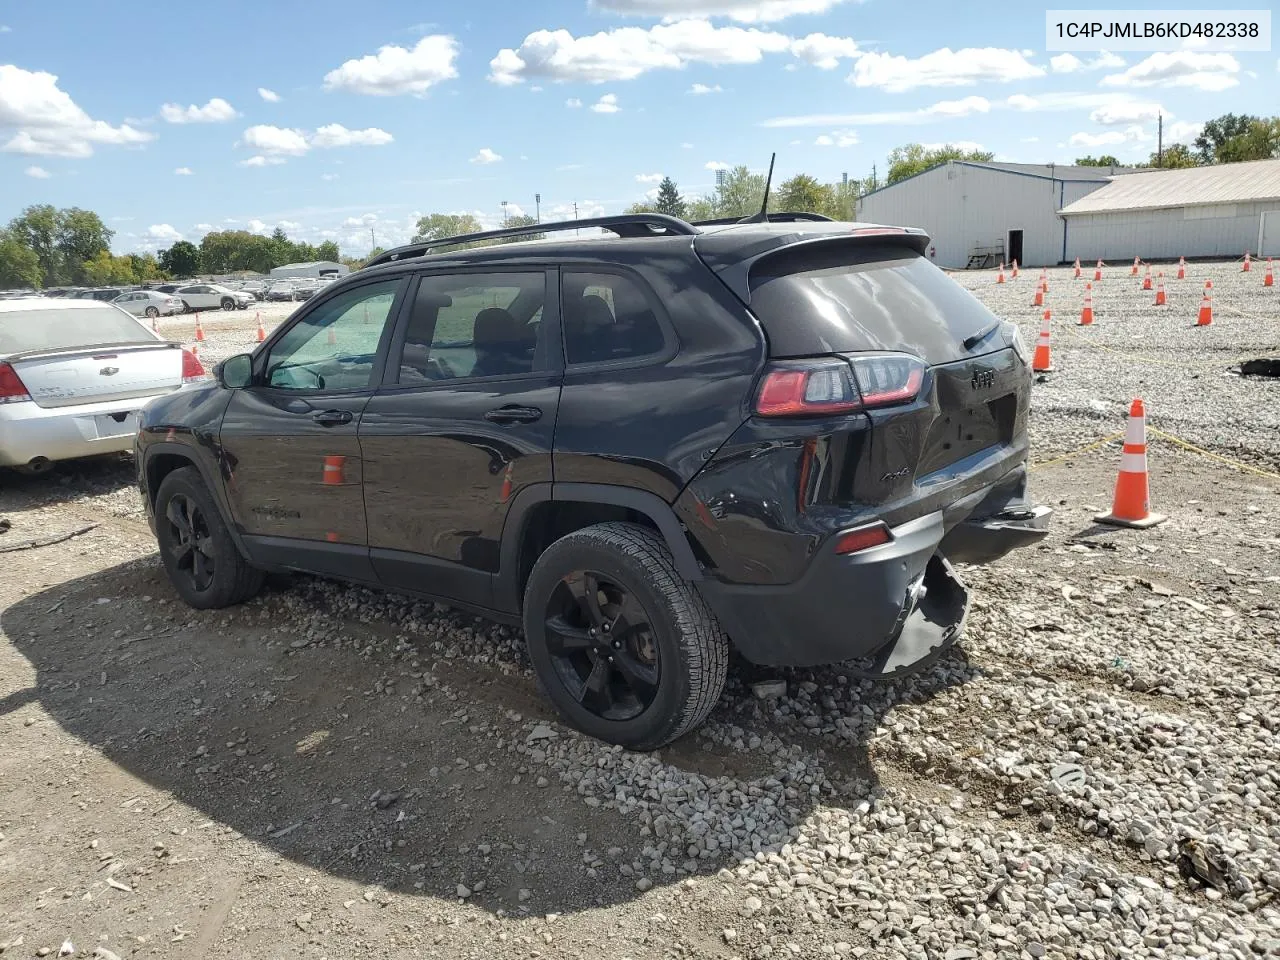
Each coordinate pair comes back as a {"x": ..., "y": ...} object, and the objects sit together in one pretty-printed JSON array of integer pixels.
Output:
[
  {"x": 626, "y": 225},
  {"x": 781, "y": 217}
]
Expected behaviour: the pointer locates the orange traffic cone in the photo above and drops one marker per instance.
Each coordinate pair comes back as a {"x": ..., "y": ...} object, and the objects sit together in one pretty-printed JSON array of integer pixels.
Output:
[
  {"x": 262, "y": 333},
  {"x": 1206, "y": 310},
  {"x": 1146, "y": 279},
  {"x": 1134, "y": 271},
  {"x": 199, "y": 330},
  {"x": 1039, "y": 300},
  {"x": 1269, "y": 280},
  {"x": 1160, "y": 301},
  {"x": 1086, "y": 315},
  {"x": 1248, "y": 265},
  {"x": 505, "y": 494},
  {"x": 1182, "y": 268},
  {"x": 1000, "y": 275},
  {"x": 1097, "y": 271},
  {"x": 1044, "y": 278},
  {"x": 1208, "y": 284},
  {"x": 1040, "y": 362},
  {"x": 333, "y": 467},
  {"x": 1077, "y": 268},
  {"x": 1014, "y": 272},
  {"x": 1131, "y": 506}
]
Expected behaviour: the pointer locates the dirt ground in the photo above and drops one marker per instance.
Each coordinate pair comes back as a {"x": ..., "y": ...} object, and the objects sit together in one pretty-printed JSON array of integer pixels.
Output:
[{"x": 332, "y": 772}]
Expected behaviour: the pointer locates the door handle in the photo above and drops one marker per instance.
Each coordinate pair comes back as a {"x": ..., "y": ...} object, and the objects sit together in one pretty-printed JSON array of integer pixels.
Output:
[
  {"x": 332, "y": 418},
  {"x": 513, "y": 414}
]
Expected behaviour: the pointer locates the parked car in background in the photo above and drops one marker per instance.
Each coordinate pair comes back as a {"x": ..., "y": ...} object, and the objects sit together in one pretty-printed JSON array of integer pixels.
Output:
[
  {"x": 149, "y": 303},
  {"x": 73, "y": 376},
  {"x": 255, "y": 287},
  {"x": 212, "y": 296},
  {"x": 305, "y": 289},
  {"x": 283, "y": 290},
  {"x": 169, "y": 288},
  {"x": 105, "y": 294}
]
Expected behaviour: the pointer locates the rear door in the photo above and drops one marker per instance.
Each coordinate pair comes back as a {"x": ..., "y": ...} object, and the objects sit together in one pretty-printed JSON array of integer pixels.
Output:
[
  {"x": 464, "y": 422},
  {"x": 291, "y": 459}
]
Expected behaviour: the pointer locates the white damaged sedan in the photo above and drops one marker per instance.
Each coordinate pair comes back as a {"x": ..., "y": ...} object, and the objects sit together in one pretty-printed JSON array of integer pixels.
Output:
[{"x": 73, "y": 376}]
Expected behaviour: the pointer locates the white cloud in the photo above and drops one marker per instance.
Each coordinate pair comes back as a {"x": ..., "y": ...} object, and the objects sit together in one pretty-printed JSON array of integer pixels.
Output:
[
  {"x": 276, "y": 141},
  {"x": 1210, "y": 72},
  {"x": 39, "y": 173},
  {"x": 203, "y": 227},
  {"x": 289, "y": 225},
  {"x": 1066, "y": 63},
  {"x": 336, "y": 135},
  {"x": 1030, "y": 140},
  {"x": 262, "y": 161},
  {"x": 744, "y": 11},
  {"x": 364, "y": 220},
  {"x": 715, "y": 165},
  {"x": 257, "y": 226},
  {"x": 686, "y": 146},
  {"x": 162, "y": 231},
  {"x": 1106, "y": 61},
  {"x": 216, "y": 110},
  {"x": 394, "y": 70},
  {"x": 1124, "y": 113},
  {"x": 570, "y": 166},
  {"x": 1069, "y": 63},
  {"x": 943, "y": 109},
  {"x": 328, "y": 176},
  {"x": 268, "y": 95},
  {"x": 5, "y": 28},
  {"x": 649, "y": 177},
  {"x": 824, "y": 52},
  {"x": 1183, "y": 131},
  {"x": 182, "y": 172},
  {"x": 606, "y": 104},
  {"x": 968, "y": 146},
  {"x": 573, "y": 103},
  {"x": 1020, "y": 101},
  {"x": 627, "y": 52},
  {"x": 47, "y": 122},
  {"x": 837, "y": 138},
  {"x": 1111, "y": 138},
  {"x": 701, "y": 88},
  {"x": 943, "y": 68},
  {"x": 486, "y": 156}
]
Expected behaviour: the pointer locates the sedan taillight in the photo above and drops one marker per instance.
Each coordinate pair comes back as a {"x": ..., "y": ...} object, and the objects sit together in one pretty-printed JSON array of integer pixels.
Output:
[
  {"x": 832, "y": 385},
  {"x": 192, "y": 369},
  {"x": 12, "y": 389}
]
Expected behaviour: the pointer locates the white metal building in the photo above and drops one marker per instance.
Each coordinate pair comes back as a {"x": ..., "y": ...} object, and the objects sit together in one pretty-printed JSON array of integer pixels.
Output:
[
  {"x": 316, "y": 268},
  {"x": 981, "y": 213},
  {"x": 1217, "y": 211}
]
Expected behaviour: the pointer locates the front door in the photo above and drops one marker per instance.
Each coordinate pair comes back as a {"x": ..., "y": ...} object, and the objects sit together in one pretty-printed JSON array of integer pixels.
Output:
[
  {"x": 291, "y": 458},
  {"x": 464, "y": 422}
]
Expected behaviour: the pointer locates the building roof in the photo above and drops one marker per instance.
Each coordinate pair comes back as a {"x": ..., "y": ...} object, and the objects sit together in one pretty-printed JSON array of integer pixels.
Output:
[
  {"x": 1041, "y": 171},
  {"x": 1190, "y": 187}
]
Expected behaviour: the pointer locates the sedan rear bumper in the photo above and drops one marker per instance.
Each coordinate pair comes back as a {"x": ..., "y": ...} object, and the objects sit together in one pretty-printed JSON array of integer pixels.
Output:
[{"x": 29, "y": 432}]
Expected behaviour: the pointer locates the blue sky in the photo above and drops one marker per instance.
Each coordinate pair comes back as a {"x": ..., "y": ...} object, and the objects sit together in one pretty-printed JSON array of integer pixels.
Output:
[{"x": 327, "y": 118}]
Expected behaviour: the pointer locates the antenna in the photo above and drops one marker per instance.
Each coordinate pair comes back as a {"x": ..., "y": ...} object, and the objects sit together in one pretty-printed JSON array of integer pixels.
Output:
[{"x": 763, "y": 215}]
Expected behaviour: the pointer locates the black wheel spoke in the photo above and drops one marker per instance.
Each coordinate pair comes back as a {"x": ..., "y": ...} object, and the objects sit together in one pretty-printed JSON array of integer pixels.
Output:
[
  {"x": 591, "y": 589},
  {"x": 199, "y": 569},
  {"x": 595, "y": 694},
  {"x": 177, "y": 514},
  {"x": 182, "y": 554},
  {"x": 563, "y": 638},
  {"x": 641, "y": 678}
]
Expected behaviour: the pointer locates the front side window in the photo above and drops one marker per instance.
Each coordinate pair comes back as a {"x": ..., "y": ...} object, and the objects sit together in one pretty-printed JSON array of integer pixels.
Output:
[
  {"x": 474, "y": 325},
  {"x": 607, "y": 317},
  {"x": 334, "y": 346}
]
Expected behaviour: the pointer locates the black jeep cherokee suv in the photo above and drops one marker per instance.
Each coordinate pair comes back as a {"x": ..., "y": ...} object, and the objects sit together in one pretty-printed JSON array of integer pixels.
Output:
[{"x": 645, "y": 448}]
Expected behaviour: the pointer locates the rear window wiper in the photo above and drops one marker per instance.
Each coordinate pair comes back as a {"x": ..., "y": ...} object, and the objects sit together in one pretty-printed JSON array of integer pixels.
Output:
[{"x": 974, "y": 339}]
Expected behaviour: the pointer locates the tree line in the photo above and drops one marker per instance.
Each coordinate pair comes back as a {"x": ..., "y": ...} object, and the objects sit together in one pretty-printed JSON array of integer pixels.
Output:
[{"x": 1230, "y": 138}]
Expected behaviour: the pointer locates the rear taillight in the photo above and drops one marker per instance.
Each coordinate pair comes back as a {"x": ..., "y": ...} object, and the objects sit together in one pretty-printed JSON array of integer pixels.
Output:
[
  {"x": 192, "y": 369},
  {"x": 12, "y": 389},
  {"x": 863, "y": 538},
  {"x": 807, "y": 388}
]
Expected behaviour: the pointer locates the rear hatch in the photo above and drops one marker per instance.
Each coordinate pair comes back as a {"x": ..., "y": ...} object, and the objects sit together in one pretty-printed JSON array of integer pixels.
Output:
[
  {"x": 91, "y": 354},
  {"x": 874, "y": 293}
]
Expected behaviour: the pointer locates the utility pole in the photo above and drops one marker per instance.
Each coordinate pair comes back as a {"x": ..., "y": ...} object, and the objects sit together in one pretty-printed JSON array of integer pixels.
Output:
[
  {"x": 537, "y": 207},
  {"x": 373, "y": 240},
  {"x": 575, "y": 215},
  {"x": 1160, "y": 140},
  {"x": 504, "y": 213}
]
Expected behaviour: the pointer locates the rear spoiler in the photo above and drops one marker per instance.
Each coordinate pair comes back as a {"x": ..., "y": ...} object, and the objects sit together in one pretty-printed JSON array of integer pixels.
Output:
[
  {"x": 736, "y": 273},
  {"x": 90, "y": 349}
]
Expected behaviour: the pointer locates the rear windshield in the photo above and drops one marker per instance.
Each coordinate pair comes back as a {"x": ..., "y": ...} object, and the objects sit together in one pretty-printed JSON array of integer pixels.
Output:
[
  {"x": 860, "y": 296},
  {"x": 25, "y": 330}
]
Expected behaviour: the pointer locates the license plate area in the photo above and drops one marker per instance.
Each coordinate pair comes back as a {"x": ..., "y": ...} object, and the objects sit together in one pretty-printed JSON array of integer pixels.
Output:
[
  {"x": 116, "y": 424},
  {"x": 977, "y": 409}
]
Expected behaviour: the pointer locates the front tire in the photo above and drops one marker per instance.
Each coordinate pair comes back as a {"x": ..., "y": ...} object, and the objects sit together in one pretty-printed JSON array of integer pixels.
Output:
[
  {"x": 228, "y": 303},
  {"x": 622, "y": 645},
  {"x": 202, "y": 561},
  {"x": 151, "y": 313}
]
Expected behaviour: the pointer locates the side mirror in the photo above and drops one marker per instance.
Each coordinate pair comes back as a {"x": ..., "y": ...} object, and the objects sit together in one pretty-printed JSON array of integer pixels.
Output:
[{"x": 235, "y": 372}]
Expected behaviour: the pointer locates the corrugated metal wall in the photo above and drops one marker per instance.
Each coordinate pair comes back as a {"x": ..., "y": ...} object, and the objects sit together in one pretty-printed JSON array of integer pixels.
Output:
[
  {"x": 1217, "y": 230},
  {"x": 966, "y": 208}
]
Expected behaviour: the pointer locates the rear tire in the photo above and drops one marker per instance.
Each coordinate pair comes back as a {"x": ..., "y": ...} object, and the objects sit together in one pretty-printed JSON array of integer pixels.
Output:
[
  {"x": 228, "y": 303},
  {"x": 202, "y": 561},
  {"x": 654, "y": 679},
  {"x": 151, "y": 313}
]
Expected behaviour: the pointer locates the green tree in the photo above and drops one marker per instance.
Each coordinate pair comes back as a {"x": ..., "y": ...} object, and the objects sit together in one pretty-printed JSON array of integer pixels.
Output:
[
  {"x": 36, "y": 228},
  {"x": 740, "y": 193},
  {"x": 912, "y": 158},
  {"x": 145, "y": 267},
  {"x": 438, "y": 226},
  {"x": 804, "y": 194},
  {"x": 523, "y": 220},
  {"x": 82, "y": 236},
  {"x": 844, "y": 201},
  {"x": 19, "y": 265},
  {"x": 669, "y": 200},
  {"x": 1174, "y": 156},
  {"x": 1260, "y": 141},
  {"x": 328, "y": 251},
  {"x": 103, "y": 269},
  {"x": 643, "y": 206},
  {"x": 701, "y": 208},
  {"x": 1106, "y": 160},
  {"x": 1218, "y": 131},
  {"x": 181, "y": 260}
]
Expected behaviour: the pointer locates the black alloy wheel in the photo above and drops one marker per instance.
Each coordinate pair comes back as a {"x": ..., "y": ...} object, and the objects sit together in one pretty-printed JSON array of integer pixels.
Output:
[
  {"x": 602, "y": 645},
  {"x": 192, "y": 542}
]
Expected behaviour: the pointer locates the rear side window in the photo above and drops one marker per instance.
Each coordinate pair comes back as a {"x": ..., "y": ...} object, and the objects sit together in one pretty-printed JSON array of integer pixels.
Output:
[
  {"x": 861, "y": 296},
  {"x": 474, "y": 325},
  {"x": 607, "y": 317}
]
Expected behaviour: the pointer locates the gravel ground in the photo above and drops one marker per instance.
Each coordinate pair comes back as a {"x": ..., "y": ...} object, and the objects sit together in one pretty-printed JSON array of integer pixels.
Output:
[{"x": 330, "y": 771}]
